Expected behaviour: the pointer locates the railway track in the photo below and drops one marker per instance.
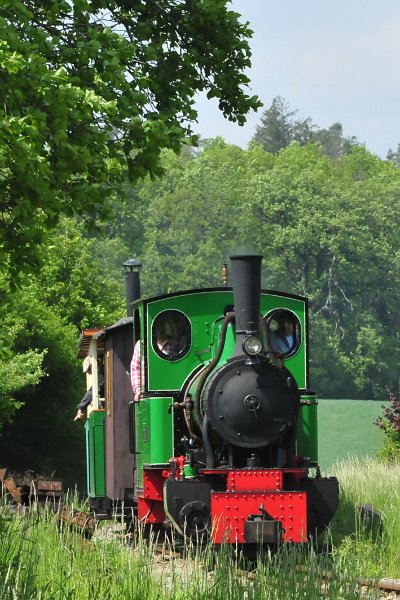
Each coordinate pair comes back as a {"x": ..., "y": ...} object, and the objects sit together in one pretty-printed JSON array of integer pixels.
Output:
[
  {"x": 386, "y": 585},
  {"x": 389, "y": 587}
]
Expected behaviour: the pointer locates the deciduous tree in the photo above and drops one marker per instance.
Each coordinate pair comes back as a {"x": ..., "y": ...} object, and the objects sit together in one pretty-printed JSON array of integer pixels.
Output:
[{"x": 92, "y": 90}]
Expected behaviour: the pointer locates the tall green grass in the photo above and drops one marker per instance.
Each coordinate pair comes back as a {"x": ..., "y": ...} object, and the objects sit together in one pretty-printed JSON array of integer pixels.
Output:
[
  {"x": 372, "y": 551},
  {"x": 41, "y": 558}
]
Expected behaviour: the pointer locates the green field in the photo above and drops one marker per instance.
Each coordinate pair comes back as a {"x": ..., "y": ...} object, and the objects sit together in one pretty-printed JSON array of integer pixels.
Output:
[{"x": 346, "y": 428}]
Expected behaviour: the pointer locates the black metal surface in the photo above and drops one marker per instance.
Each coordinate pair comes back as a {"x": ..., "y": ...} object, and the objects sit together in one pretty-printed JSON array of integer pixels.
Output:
[
  {"x": 197, "y": 457},
  {"x": 261, "y": 531},
  {"x": 253, "y": 461},
  {"x": 188, "y": 505},
  {"x": 195, "y": 520},
  {"x": 246, "y": 279},
  {"x": 251, "y": 406},
  {"x": 208, "y": 446},
  {"x": 180, "y": 431},
  {"x": 132, "y": 284},
  {"x": 322, "y": 502}
]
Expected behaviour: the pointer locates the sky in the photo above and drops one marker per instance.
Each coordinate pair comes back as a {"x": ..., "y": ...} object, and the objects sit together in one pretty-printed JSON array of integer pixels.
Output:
[{"x": 333, "y": 61}]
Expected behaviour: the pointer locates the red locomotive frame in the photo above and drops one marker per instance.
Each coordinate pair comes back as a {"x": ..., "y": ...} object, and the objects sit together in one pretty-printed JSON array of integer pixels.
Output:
[{"x": 248, "y": 493}]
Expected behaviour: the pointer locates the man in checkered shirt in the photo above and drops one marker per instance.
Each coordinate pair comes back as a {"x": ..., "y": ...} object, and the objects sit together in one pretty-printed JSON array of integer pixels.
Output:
[{"x": 135, "y": 371}]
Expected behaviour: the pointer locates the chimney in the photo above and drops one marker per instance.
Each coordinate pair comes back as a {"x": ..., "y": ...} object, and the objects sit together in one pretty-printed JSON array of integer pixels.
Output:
[
  {"x": 132, "y": 283},
  {"x": 246, "y": 282}
]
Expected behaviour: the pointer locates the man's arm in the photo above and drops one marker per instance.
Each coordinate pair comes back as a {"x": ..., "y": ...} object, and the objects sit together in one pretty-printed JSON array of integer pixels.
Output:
[{"x": 86, "y": 400}]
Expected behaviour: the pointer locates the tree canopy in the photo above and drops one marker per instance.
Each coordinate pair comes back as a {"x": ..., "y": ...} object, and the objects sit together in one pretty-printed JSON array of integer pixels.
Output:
[
  {"x": 279, "y": 127},
  {"x": 80, "y": 284},
  {"x": 326, "y": 228},
  {"x": 91, "y": 91}
]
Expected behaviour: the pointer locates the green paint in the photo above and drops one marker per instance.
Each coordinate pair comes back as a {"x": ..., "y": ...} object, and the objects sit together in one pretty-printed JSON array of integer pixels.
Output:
[
  {"x": 205, "y": 310},
  {"x": 307, "y": 431},
  {"x": 230, "y": 340},
  {"x": 154, "y": 433},
  {"x": 189, "y": 472},
  {"x": 95, "y": 454},
  {"x": 297, "y": 363}
]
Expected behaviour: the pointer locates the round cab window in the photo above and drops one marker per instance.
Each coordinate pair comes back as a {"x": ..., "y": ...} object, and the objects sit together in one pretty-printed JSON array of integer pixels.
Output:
[
  {"x": 284, "y": 332},
  {"x": 171, "y": 335}
]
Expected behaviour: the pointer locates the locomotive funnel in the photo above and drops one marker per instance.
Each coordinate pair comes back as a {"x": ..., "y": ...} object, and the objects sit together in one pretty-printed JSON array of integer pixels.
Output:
[
  {"x": 246, "y": 279},
  {"x": 132, "y": 283}
]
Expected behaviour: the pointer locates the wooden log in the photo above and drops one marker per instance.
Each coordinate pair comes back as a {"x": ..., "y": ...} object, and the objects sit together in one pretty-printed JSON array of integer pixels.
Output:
[
  {"x": 12, "y": 489},
  {"x": 45, "y": 485},
  {"x": 78, "y": 520}
]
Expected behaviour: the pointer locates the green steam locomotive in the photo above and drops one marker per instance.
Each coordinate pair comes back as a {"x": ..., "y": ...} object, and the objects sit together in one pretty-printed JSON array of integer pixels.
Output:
[{"x": 221, "y": 443}]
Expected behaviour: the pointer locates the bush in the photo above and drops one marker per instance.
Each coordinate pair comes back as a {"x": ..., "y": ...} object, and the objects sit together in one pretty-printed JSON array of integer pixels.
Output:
[{"x": 390, "y": 425}]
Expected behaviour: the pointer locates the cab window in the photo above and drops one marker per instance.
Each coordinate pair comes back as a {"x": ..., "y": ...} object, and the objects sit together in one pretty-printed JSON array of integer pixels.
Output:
[
  {"x": 171, "y": 335},
  {"x": 284, "y": 332}
]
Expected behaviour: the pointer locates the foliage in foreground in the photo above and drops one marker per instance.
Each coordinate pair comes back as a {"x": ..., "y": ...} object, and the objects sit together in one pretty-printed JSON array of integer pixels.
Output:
[
  {"x": 92, "y": 91},
  {"x": 40, "y": 558},
  {"x": 371, "y": 551},
  {"x": 390, "y": 425}
]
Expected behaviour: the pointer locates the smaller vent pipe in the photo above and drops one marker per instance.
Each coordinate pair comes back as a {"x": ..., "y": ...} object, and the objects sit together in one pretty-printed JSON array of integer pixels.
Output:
[{"x": 132, "y": 283}]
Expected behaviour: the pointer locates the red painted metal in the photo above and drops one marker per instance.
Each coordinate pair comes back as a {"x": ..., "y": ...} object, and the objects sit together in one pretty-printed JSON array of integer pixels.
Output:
[
  {"x": 150, "y": 502},
  {"x": 296, "y": 472},
  {"x": 230, "y": 510},
  {"x": 150, "y": 511},
  {"x": 255, "y": 480},
  {"x": 153, "y": 481},
  {"x": 246, "y": 491},
  {"x": 215, "y": 471}
]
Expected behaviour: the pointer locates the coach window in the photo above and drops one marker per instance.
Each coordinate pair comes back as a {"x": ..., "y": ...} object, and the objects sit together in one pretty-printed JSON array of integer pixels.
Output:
[
  {"x": 171, "y": 335},
  {"x": 284, "y": 332}
]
